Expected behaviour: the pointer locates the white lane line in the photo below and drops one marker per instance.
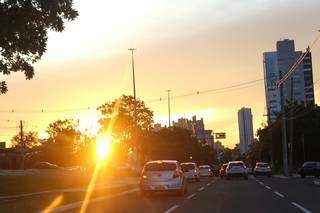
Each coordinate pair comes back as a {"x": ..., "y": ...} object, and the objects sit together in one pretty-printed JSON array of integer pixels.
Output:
[
  {"x": 78, "y": 204},
  {"x": 171, "y": 209},
  {"x": 208, "y": 184},
  {"x": 261, "y": 183},
  {"x": 191, "y": 196},
  {"x": 279, "y": 194},
  {"x": 300, "y": 207},
  {"x": 268, "y": 187},
  {"x": 201, "y": 189}
]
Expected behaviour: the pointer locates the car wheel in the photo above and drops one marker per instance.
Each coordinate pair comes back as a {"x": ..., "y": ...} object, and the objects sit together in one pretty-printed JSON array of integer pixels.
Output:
[{"x": 255, "y": 175}]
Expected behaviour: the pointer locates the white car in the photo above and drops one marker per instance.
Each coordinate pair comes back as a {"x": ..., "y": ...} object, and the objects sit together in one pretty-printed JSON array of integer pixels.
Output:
[
  {"x": 236, "y": 169},
  {"x": 191, "y": 171},
  {"x": 205, "y": 171},
  {"x": 162, "y": 176},
  {"x": 262, "y": 169}
]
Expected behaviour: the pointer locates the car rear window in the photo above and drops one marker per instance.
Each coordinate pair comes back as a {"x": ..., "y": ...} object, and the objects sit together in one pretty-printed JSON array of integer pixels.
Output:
[
  {"x": 204, "y": 167},
  {"x": 309, "y": 164},
  {"x": 187, "y": 166},
  {"x": 235, "y": 164},
  {"x": 164, "y": 166},
  {"x": 262, "y": 165}
]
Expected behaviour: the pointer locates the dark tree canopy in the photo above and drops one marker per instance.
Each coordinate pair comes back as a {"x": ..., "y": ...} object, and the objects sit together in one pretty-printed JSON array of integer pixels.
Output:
[{"x": 24, "y": 26}]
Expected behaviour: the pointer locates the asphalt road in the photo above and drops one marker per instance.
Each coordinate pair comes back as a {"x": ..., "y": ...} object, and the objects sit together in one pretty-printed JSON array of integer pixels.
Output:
[{"x": 260, "y": 194}]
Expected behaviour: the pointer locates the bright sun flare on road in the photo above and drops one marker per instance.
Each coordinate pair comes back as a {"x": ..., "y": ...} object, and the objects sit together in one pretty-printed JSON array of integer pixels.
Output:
[{"x": 103, "y": 147}]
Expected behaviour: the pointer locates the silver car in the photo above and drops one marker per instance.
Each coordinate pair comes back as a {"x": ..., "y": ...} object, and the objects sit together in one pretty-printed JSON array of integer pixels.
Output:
[
  {"x": 162, "y": 176},
  {"x": 236, "y": 169},
  {"x": 191, "y": 171},
  {"x": 205, "y": 171}
]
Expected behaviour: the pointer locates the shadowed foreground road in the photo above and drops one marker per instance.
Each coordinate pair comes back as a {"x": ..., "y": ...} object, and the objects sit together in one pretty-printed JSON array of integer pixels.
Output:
[{"x": 215, "y": 195}]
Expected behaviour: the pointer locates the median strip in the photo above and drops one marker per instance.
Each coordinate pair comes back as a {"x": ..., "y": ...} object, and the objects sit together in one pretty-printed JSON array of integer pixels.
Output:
[
  {"x": 300, "y": 207},
  {"x": 171, "y": 209}
]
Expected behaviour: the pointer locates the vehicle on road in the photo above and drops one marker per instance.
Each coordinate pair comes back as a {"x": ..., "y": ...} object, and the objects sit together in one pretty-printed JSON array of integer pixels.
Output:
[
  {"x": 215, "y": 169},
  {"x": 205, "y": 171},
  {"x": 45, "y": 165},
  {"x": 262, "y": 168},
  {"x": 162, "y": 176},
  {"x": 190, "y": 171},
  {"x": 310, "y": 168},
  {"x": 236, "y": 169},
  {"x": 222, "y": 171}
]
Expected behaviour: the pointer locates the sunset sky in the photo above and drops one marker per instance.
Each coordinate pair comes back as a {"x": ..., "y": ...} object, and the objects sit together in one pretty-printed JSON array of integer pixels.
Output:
[{"x": 182, "y": 45}]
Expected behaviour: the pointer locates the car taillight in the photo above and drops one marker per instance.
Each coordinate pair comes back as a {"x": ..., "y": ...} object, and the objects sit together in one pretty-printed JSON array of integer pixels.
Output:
[
  {"x": 176, "y": 174},
  {"x": 144, "y": 176}
]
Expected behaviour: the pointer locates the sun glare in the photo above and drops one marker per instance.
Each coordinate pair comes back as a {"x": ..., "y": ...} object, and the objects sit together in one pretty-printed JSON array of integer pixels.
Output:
[{"x": 103, "y": 147}]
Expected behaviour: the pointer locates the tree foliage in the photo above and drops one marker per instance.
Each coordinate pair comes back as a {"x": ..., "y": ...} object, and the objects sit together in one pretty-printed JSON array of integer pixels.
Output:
[
  {"x": 30, "y": 140},
  {"x": 121, "y": 115},
  {"x": 23, "y": 32}
]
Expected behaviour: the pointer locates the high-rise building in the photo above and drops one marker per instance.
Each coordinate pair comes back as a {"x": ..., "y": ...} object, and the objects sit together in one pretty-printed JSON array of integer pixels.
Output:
[
  {"x": 197, "y": 129},
  {"x": 245, "y": 129},
  {"x": 297, "y": 88}
]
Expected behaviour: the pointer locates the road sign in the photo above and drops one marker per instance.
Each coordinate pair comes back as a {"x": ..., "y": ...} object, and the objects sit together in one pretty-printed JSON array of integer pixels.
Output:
[{"x": 220, "y": 135}]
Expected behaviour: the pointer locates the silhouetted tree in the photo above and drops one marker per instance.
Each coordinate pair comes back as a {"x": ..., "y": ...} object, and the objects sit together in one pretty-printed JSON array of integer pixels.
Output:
[
  {"x": 120, "y": 114},
  {"x": 30, "y": 139},
  {"x": 24, "y": 26},
  {"x": 61, "y": 146}
]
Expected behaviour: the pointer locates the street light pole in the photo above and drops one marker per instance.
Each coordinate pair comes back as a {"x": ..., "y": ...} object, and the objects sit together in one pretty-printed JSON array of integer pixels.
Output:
[
  {"x": 169, "y": 112},
  {"x": 133, "y": 75}
]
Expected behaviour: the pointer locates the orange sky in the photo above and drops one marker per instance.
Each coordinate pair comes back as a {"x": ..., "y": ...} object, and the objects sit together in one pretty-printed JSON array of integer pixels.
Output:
[{"x": 184, "y": 46}]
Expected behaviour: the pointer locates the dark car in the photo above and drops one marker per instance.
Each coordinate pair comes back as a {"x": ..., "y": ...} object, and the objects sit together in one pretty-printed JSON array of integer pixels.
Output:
[
  {"x": 310, "y": 168},
  {"x": 215, "y": 169},
  {"x": 46, "y": 165},
  {"x": 222, "y": 171}
]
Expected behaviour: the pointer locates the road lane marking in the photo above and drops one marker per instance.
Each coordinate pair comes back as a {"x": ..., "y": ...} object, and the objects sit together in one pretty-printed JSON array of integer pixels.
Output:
[
  {"x": 171, "y": 209},
  {"x": 261, "y": 183},
  {"x": 191, "y": 196},
  {"x": 201, "y": 189},
  {"x": 268, "y": 187},
  {"x": 279, "y": 194},
  {"x": 208, "y": 184},
  {"x": 300, "y": 207},
  {"x": 212, "y": 181},
  {"x": 91, "y": 201}
]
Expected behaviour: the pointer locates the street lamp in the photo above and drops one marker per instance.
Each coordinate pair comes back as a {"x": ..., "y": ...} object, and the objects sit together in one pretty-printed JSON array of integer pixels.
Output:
[{"x": 133, "y": 75}]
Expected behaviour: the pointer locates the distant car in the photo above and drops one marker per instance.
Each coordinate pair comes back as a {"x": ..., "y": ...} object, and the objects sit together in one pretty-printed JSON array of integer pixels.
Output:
[
  {"x": 262, "y": 168},
  {"x": 222, "y": 171},
  {"x": 310, "y": 168},
  {"x": 215, "y": 169},
  {"x": 162, "y": 176},
  {"x": 205, "y": 171},
  {"x": 236, "y": 169},
  {"x": 191, "y": 171},
  {"x": 250, "y": 170},
  {"x": 46, "y": 165}
]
